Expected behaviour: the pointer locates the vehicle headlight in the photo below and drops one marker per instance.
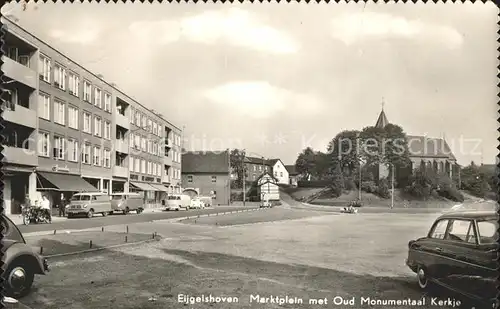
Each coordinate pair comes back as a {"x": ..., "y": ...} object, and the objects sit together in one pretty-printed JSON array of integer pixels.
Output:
[{"x": 85, "y": 206}]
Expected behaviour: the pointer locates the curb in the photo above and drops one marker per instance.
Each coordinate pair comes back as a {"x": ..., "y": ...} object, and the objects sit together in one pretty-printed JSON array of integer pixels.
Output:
[
  {"x": 54, "y": 232},
  {"x": 100, "y": 248},
  {"x": 209, "y": 215}
]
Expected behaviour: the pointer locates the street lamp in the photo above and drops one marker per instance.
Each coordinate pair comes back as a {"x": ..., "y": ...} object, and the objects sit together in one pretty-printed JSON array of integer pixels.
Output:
[{"x": 392, "y": 184}]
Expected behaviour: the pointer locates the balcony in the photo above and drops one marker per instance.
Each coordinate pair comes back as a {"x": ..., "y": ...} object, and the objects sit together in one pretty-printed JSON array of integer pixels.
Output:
[
  {"x": 120, "y": 171},
  {"x": 122, "y": 121},
  {"x": 165, "y": 179},
  {"x": 121, "y": 145},
  {"x": 167, "y": 161},
  {"x": 19, "y": 156},
  {"x": 19, "y": 72},
  {"x": 21, "y": 115}
]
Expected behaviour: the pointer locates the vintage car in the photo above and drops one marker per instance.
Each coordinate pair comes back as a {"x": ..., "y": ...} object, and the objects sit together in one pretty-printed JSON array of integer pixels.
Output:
[
  {"x": 460, "y": 254},
  {"x": 22, "y": 262}
]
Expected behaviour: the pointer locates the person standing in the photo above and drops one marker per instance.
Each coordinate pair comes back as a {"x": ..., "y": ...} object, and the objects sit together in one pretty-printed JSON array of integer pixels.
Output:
[
  {"x": 46, "y": 208},
  {"x": 62, "y": 206}
]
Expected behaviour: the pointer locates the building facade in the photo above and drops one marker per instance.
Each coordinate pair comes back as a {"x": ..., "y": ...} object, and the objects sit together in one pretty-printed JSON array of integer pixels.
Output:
[
  {"x": 256, "y": 167},
  {"x": 208, "y": 174},
  {"x": 279, "y": 171},
  {"x": 68, "y": 130},
  {"x": 293, "y": 175}
]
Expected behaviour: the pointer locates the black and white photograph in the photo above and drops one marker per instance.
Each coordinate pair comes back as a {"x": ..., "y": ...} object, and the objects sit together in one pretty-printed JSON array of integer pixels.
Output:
[{"x": 249, "y": 155}]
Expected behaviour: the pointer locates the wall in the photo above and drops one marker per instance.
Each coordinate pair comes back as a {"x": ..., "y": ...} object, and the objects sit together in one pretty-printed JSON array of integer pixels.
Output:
[
  {"x": 255, "y": 169},
  {"x": 205, "y": 185}
]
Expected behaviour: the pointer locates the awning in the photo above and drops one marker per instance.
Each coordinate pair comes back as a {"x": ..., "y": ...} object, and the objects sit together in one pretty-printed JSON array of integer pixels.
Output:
[
  {"x": 143, "y": 186},
  {"x": 159, "y": 187},
  {"x": 65, "y": 182}
]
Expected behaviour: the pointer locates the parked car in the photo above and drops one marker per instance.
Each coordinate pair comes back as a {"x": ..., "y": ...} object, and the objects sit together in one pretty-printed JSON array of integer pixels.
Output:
[
  {"x": 126, "y": 202},
  {"x": 197, "y": 203},
  {"x": 207, "y": 200},
  {"x": 177, "y": 202},
  {"x": 459, "y": 253},
  {"x": 22, "y": 262},
  {"x": 89, "y": 204}
]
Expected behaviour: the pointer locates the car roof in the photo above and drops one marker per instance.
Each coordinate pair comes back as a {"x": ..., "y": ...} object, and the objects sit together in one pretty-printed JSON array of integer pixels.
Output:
[
  {"x": 471, "y": 214},
  {"x": 90, "y": 193}
]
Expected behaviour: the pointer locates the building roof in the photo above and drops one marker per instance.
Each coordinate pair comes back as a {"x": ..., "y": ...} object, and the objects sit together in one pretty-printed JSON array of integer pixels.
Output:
[
  {"x": 266, "y": 174},
  {"x": 382, "y": 120},
  {"x": 255, "y": 160},
  {"x": 292, "y": 170},
  {"x": 429, "y": 147},
  {"x": 205, "y": 162}
]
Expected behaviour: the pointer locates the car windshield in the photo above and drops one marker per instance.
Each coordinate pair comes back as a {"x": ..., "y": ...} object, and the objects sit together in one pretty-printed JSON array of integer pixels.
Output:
[{"x": 81, "y": 198}]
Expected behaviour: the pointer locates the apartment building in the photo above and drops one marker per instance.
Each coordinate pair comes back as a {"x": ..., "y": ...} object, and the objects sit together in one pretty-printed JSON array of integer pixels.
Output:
[{"x": 68, "y": 130}]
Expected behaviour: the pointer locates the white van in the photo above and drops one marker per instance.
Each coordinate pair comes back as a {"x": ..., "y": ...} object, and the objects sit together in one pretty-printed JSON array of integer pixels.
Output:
[
  {"x": 178, "y": 201},
  {"x": 89, "y": 204}
]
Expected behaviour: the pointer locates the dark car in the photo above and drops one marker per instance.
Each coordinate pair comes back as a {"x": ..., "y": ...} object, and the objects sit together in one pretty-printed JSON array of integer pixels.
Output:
[
  {"x": 459, "y": 254},
  {"x": 22, "y": 262}
]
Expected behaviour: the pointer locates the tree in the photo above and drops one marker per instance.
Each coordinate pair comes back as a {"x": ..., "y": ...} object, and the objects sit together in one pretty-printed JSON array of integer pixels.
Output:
[
  {"x": 237, "y": 163},
  {"x": 343, "y": 151},
  {"x": 475, "y": 181},
  {"x": 306, "y": 162}
]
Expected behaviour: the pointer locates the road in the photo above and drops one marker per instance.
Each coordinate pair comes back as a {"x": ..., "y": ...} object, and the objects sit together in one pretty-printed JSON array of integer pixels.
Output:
[{"x": 84, "y": 223}]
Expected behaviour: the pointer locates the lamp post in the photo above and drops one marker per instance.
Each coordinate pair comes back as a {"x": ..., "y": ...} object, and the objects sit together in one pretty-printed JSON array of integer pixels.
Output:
[{"x": 392, "y": 184}]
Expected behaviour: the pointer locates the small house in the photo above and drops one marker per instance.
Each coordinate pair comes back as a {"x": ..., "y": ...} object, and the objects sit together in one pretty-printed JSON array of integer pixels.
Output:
[{"x": 268, "y": 188}]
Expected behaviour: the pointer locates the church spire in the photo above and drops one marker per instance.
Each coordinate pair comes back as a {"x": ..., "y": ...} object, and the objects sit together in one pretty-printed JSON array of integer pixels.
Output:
[{"x": 382, "y": 119}]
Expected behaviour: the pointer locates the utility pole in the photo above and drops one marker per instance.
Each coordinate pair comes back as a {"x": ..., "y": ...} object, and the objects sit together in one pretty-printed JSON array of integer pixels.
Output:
[
  {"x": 244, "y": 177},
  {"x": 392, "y": 185},
  {"x": 359, "y": 161}
]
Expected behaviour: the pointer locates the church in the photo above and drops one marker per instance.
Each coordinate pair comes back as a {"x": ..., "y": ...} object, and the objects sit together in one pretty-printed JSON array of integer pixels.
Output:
[{"x": 426, "y": 151}]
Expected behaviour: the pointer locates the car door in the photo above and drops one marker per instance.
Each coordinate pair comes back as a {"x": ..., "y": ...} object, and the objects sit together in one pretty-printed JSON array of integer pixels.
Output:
[
  {"x": 431, "y": 248},
  {"x": 457, "y": 255},
  {"x": 484, "y": 261}
]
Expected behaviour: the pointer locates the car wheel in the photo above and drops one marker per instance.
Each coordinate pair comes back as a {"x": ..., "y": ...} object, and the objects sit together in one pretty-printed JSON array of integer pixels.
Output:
[
  {"x": 139, "y": 210},
  {"x": 26, "y": 220},
  {"x": 18, "y": 280},
  {"x": 104, "y": 213},
  {"x": 90, "y": 214},
  {"x": 423, "y": 280}
]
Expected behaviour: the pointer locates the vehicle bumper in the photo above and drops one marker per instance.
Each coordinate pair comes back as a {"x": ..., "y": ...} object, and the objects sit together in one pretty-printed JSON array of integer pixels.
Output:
[
  {"x": 411, "y": 265},
  {"x": 76, "y": 211},
  {"x": 45, "y": 265}
]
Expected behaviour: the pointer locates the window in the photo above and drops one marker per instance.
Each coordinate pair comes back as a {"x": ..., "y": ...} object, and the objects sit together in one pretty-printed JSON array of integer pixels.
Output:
[
  {"x": 190, "y": 178},
  {"x": 143, "y": 166},
  {"x": 74, "y": 84},
  {"x": 86, "y": 123},
  {"x": 45, "y": 68},
  {"x": 137, "y": 118},
  {"x": 132, "y": 113},
  {"x": 137, "y": 142},
  {"x": 488, "y": 231},
  {"x": 281, "y": 174},
  {"x": 97, "y": 156},
  {"x": 144, "y": 122},
  {"x": 276, "y": 174},
  {"x": 150, "y": 146},
  {"x": 150, "y": 125},
  {"x": 137, "y": 165},
  {"x": 97, "y": 97},
  {"x": 72, "y": 150},
  {"x": 86, "y": 154},
  {"x": 255, "y": 168},
  {"x": 143, "y": 144},
  {"x": 461, "y": 230},
  {"x": 439, "y": 229},
  {"x": 155, "y": 128},
  {"x": 44, "y": 105},
  {"x": 150, "y": 168},
  {"x": 87, "y": 90},
  {"x": 97, "y": 126},
  {"x": 107, "y": 130},
  {"x": 131, "y": 139},
  {"x": 58, "y": 148},
  {"x": 107, "y": 158},
  {"x": 59, "y": 76},
  {"x": 107, "y": 102},
  {"x": 73, "y": 117},
  {"x": 158, "y": 170},
  {"x": 214, "y": 178},
  {"x": 131, "y": 163},
  {"x": 59, "y": 112},
  {"x": 43, "y": 144}
]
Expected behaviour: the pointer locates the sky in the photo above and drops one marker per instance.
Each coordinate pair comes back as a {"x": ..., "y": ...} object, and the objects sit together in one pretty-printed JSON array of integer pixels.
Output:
[{"x": 276, "y": 78}]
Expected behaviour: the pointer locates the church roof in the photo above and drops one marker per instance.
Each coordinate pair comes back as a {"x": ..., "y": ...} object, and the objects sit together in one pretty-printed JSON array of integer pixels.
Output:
[
  {"x": 382, "y": 120},
  {"x": 429, "y": 147}
]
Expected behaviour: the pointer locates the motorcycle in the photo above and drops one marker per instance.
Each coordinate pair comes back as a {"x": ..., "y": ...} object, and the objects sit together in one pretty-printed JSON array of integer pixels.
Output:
[{"x": 34, "y": 215}]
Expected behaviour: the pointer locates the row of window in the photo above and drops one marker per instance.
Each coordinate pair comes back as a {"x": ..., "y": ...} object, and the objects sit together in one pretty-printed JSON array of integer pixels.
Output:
[
  {"x": 59, "y": 116},
  {"x": 73, "y": 85},
  {"x": 68, "y": 149},
  {"x": 142, "y": 121},
  {"x": 190, "y": 178},
  {"x": 144, "y": 144},
  {"x": 138, "y": 165}
]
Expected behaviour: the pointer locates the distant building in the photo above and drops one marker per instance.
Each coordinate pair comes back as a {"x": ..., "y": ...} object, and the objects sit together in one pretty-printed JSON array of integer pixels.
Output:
[
  {"x": 207, "y": 173},
  {"x": 256, "y": 167},
  {"x": 279, "y": 171},
  {"x": 293, "y": 175},
  {"x": 423, "y": 151},
  {"x": 268, "y": 188}
]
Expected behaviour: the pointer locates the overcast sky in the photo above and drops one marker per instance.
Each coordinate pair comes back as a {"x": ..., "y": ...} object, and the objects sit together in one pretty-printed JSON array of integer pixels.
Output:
[{"x": 276, "y": 78}]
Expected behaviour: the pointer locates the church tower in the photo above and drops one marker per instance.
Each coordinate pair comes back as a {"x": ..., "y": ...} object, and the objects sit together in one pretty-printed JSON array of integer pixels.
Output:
[{"x": 382, "y": 119}]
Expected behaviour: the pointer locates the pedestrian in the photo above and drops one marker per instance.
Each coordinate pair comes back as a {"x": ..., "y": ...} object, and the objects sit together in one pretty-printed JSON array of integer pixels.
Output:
[
  {"x": 62, "y": 206},
  {"x": 46, "y": 208}
]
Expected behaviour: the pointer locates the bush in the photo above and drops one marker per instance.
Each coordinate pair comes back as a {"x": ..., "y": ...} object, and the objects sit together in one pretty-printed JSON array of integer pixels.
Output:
[
  {"x": 356, "y": 203},
  {"x": 451, "y": 193},
  {"x": 383, "y": 189},
  {"x": 418, "y": 190},
  {"x": 237, "y": 196},
  {"x": 313, "y": 183},
  {"x": 369, "y": 187}
]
